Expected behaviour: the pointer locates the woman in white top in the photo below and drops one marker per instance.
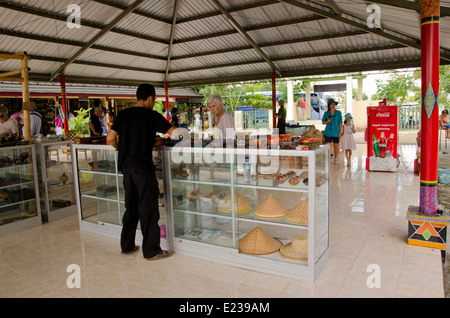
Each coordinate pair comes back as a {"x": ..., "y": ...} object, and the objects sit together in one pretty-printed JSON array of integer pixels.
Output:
[
  {"x": 224, "y": 120},
  {"x": 8, "y": 126}
]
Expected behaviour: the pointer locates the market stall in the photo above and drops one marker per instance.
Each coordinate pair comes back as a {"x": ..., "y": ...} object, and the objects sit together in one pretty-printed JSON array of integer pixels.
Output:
[{"x": 259, "y": 204}]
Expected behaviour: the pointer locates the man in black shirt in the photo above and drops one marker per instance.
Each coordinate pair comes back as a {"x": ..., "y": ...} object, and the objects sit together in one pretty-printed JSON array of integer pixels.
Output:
[
  {"x": 133, "y": 134},
  {"x": 95, "y": 126}
]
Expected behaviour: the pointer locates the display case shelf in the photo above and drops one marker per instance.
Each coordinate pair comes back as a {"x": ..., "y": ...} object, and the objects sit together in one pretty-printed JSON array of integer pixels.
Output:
[
  {"x": 202, "y": 229},
  {"x": 55, "y": 179},
  {"x": 19, "y": 194}
]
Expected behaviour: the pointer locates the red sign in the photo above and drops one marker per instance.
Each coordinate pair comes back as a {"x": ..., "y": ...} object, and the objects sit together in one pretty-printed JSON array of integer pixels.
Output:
[{"x": 382, "y": 138}]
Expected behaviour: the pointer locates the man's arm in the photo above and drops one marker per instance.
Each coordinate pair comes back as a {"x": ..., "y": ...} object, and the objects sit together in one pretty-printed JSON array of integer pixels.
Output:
[
  {"x": 91, "y": 127},
  {"x": 112, "y": 138},
  {"x": 170, "y": 131}
]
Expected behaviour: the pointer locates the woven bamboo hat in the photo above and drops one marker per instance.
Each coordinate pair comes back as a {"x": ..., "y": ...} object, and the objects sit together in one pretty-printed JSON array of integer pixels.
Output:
[
  {"x": 299, "y": 214},
  {"x": 241, "y": 204},
  {"x": 297, "y": 249},
  {"x": 270, "y": 208},
  {"x": 258, "y": 242}
]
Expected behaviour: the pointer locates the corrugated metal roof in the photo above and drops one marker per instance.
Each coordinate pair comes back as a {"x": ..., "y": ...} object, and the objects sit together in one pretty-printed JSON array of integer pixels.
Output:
[
  {"x": 42, "y": 88},
  {"x": 297, "y": 37}
]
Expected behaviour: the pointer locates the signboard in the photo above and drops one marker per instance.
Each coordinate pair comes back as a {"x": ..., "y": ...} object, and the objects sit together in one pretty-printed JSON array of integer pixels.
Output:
[{"x": 382, "y": 138}]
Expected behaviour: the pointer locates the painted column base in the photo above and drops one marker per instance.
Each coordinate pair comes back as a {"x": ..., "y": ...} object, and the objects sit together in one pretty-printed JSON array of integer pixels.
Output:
[{"x": 427, "y": 230}]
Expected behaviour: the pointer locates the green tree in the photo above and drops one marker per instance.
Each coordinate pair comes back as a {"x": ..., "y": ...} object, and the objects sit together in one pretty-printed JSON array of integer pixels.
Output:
[{"x": 397, "y": 87}]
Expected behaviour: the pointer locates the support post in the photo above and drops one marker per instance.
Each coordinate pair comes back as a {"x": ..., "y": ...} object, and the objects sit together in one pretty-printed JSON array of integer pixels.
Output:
[
  {"x": 62, "y": 81},
  {"x": 166, "y": 89},
  {"x": 290, "y": 101},
  {"x": 274, "y": 99},
  {"x": 349, "y": 94},
  {"x": 426, "y": 225},
  {"x": 308, "y": 101},
  {"x": 430, "y": 116},
  {"x": 25, "y": 98}
]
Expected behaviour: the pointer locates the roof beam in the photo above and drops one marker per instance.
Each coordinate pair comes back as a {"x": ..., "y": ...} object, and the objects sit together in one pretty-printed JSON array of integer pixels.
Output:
[
  {"x": 138, "y": 12},
  {"x": 172, "y": 31},
  {"x": 414, "y": 43},
  {"x": 294, "y": 57},
  {"x": 61, "y": 17},
  {"x": 86, "y": 46},
  {"x": 94, "y": 80},
  {"x": 90, "y": 63},
  {"x": 234, "y": 9},
  {"x": 410, "y": 5},
  {"x": 273, "y": 43},
  {"x": 334, "y": 6},
  {"x": 49, "y": 39},
  {"x": 314, "y": 17},
  {"x": 372, "y": 66},
  {"x": 247, "y": 37}
]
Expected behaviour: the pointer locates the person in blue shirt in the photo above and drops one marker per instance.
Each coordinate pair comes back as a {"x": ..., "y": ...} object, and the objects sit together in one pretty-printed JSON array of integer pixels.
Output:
[{"x": 334, "y": 128}]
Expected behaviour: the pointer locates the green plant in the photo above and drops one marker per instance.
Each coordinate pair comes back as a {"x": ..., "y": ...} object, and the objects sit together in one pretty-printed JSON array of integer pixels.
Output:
[
  {"x": 159, "y": 107},
  {"x": 80, "y": 123}
]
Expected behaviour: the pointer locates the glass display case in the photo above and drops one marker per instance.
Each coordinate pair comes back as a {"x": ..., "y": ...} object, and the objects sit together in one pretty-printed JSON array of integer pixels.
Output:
[
  {"x": 100, "y": 193},
  {"x": 56, "y": 186},
  {"x": 260, "y": 209},
  {"x": 19, "y": 193}
]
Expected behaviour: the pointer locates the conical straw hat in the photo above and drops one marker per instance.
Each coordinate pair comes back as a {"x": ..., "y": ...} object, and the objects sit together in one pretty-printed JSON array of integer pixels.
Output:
[
  {"x": 270, "y": 208},
  {"x": 257, "y": 242},
  {"x": 299, "y": 214},
  {"x": 296, "y": 250},
  {"x": 241, "y": 204}
]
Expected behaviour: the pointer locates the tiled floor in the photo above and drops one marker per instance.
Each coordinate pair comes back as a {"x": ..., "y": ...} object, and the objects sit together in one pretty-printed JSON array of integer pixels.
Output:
[{"x": 367, "y": 226}]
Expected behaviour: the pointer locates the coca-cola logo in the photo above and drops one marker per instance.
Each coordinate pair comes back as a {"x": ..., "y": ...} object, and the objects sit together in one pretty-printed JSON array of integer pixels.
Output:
[{"x": 383, "y": 116}]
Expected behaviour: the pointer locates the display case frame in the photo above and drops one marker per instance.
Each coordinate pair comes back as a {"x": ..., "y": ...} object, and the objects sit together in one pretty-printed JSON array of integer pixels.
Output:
[
  {"x": 230, "y": 254},
  {"x": 103, "y": 226},
  {"x": 49, "y": 183},
  {"x": 29, "y": 221}
]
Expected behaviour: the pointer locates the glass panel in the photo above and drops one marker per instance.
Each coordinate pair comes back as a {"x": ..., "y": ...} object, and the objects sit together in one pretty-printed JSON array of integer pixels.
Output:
[
  {"x": 281, "y": 243},
  {"x": 199, "y": 191},
  {"x": 101, "y": 160},
  {"x": 99, "y": 210},
  {"x": 321, "y": 206},
  {"x": 273, "y": 171},
  {"x": 204, "y": 228},
  {"x": 17, "y": 188},
  {"x": 59, "y": 176}
]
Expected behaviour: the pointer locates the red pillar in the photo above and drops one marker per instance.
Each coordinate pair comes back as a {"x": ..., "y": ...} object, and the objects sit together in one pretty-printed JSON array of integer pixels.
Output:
[
  {"x": 274, "y": 100},
  {"x": 430, "y": 111},
  {"x": 166, "y": 89},
  {"x": 62, "y": 81}
]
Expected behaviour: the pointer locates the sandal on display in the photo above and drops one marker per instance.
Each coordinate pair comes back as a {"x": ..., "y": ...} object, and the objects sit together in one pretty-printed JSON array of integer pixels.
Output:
[
  {"x": 161, "y": 255},
  {"x": 131, "y": 251}
]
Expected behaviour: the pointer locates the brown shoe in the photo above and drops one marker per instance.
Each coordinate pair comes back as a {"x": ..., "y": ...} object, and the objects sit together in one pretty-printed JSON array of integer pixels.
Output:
[{"x": 161, "y": 255}]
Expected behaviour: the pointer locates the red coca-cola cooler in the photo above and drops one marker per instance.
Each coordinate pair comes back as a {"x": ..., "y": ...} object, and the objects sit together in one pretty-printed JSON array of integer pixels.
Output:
[{"x": 382, "y": 137}]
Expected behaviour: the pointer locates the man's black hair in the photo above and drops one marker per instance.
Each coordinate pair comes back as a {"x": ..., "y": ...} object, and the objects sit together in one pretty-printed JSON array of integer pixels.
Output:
[{"x": 144, "y": 91}]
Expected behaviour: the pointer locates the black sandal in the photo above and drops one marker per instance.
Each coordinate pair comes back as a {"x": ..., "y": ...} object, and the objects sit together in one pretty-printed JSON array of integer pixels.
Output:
[{"x": 161, "y": 255}]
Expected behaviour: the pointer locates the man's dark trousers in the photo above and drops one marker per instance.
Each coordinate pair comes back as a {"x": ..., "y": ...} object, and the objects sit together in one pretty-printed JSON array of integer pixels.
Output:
[{"x": 141, "y": 204}]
